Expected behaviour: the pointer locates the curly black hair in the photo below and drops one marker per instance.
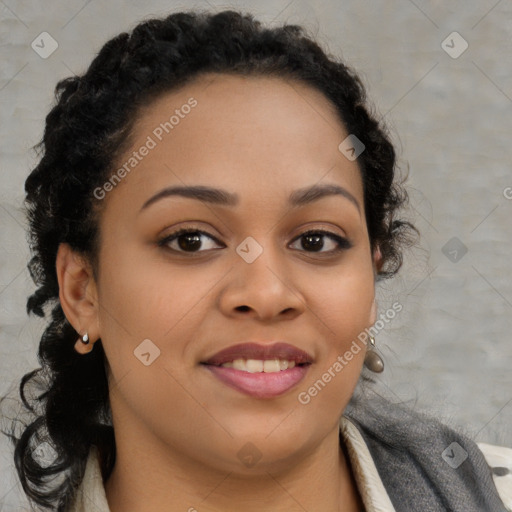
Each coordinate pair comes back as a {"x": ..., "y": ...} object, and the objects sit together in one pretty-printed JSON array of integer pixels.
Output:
[{"x": 87, "y": 129}]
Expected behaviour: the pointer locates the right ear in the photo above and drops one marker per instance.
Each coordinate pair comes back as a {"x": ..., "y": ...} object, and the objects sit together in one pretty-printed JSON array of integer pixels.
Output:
[
  {"x": 78, "y": 292},
  {"x": 377, "y": 259}
]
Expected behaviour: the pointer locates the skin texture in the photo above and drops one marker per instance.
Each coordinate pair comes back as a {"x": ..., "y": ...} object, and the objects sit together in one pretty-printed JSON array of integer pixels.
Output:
[{"x": 178, "y": 429}]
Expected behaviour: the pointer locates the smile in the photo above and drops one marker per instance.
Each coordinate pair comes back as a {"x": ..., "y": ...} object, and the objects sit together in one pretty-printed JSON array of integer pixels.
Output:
[{"x": 261, "y": 371}]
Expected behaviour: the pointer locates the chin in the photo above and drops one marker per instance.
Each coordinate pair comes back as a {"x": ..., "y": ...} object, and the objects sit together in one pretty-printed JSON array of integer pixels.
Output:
[{"x": 250, "y": 457}]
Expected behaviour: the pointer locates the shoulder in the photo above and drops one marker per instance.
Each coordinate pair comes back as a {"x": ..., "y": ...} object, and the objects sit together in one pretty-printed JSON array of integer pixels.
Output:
[{"x": 499, "y": 459}]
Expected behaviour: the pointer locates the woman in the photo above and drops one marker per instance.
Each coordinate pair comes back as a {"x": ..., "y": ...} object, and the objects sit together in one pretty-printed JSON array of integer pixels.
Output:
[{"x": 211, "y": 212}]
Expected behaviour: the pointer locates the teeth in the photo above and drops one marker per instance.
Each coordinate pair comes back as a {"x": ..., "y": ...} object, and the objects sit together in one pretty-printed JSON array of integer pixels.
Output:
[
  {"x": 272, "y": 365},
  {"x": 258, "y": 365},
  {"x": 253, "y": 365},
  {"x": 238, "y": 364}
]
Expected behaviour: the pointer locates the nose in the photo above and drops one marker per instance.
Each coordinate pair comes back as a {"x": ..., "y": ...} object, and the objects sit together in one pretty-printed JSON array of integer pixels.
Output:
[{"x": 265, "y": 289}]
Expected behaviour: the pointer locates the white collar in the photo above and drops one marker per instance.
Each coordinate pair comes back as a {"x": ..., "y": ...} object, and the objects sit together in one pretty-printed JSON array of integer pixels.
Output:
[{"x": 369, "y": 484}]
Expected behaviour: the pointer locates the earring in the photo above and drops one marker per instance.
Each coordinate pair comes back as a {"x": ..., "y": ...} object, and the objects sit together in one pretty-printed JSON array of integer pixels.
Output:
[
  {"x": 82, "y": 345},
  {"x": 372, "y": 360}
]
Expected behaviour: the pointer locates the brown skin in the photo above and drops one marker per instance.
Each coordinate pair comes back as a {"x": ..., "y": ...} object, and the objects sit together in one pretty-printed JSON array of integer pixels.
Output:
[{"x": 178, "y": 429}]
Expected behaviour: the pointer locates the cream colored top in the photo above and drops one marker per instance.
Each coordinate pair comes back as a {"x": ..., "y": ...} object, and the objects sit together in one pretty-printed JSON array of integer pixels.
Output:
[{"x": 91, "y": 493}]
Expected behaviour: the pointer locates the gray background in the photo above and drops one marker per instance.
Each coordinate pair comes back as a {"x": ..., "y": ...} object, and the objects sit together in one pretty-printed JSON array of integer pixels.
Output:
[{"x": 449, "y": 351}]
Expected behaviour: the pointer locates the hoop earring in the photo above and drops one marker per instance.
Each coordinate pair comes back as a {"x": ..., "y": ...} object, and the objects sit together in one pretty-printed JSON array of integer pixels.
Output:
[{"x": 372, "y": 360}]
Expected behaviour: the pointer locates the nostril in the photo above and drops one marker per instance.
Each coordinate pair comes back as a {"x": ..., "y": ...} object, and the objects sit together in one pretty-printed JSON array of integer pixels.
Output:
[{"x": 243, "y": 308}]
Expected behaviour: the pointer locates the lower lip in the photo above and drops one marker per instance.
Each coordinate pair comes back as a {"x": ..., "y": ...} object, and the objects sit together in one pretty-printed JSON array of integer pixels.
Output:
[{"x": 260, "y": 384}]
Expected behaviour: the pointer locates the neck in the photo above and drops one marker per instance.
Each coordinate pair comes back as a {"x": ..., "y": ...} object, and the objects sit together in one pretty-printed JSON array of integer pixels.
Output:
[{"x": 151, "y": 478}]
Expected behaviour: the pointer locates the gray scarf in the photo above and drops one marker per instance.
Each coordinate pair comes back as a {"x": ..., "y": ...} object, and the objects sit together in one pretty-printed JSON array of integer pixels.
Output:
[{"x": 419, "y": 466}]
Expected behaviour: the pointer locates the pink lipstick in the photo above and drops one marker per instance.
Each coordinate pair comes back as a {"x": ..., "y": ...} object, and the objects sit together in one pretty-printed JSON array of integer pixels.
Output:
[{"x": 261, "y": 371}]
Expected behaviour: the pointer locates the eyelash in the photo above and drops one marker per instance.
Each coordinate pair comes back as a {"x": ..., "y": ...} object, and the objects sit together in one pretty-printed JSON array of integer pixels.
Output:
[{"x": 343, "y": 243}]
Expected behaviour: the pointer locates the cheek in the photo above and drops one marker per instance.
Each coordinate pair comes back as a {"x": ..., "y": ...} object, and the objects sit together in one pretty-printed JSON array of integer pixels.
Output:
[
  {"x": 139, "y": 290},
  {"x": 346, "y": 303},
  {"x": 140, "y": 301},
  {"x": 345, "y": 312},
  {"x": 143, "y": 298}
]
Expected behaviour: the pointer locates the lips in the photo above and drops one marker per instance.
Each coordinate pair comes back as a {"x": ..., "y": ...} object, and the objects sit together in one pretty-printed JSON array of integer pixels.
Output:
[
  {"x": 282, "y": 351},
  {"x": 252, "y": 378}
]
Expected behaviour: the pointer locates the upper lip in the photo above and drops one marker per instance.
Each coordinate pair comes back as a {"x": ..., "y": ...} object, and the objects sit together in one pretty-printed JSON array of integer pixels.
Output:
[{"x": 280, "y": 350}]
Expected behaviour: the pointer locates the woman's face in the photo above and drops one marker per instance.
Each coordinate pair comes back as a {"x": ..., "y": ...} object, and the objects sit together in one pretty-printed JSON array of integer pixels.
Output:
[{"x": 246, "y": 274}]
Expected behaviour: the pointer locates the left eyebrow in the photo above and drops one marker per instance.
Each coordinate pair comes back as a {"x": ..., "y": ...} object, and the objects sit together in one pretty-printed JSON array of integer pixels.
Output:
[
  {"x": 218, "y": 196},
  {"x": 307, "y": 195}
]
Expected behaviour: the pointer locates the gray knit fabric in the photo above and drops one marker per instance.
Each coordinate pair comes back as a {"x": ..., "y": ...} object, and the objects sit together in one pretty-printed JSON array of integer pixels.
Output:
[{"x": 416, "y": 460}]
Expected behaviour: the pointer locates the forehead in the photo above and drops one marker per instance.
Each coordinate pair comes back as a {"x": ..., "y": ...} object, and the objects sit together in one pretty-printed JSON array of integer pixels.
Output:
[{"x": 252, "y": 134}]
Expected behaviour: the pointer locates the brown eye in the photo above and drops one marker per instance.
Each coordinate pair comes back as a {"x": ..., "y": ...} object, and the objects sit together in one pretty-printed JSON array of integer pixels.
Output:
[
  {"x": 188, "y": 240},
  {"x": 314, "y": 241}
]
